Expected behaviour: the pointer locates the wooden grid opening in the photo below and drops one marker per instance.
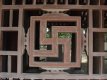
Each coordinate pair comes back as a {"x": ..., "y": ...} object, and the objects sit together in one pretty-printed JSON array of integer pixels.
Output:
[
  {"x": 96, "y": 19},
  {"x": 104, "y": 19},
  {"x": 15, "y": 19},
  {"x": 14, "y": 64},
  {"x": 105, "y": 65},
  {"x": 18, "y": 2},
  {"x": 7, "y": 2},
  {"x": 50, "y": 1},
  {"x": 95, "y": 2},
  {"x": 5, "y": 18},
  {"x": 8, "y": 43},
  {"x": 4, "y": 63},
  {"x": 83, "y": 2},
  {"x": 10, "y": 18},
  {"x": 99, "y": 41}
]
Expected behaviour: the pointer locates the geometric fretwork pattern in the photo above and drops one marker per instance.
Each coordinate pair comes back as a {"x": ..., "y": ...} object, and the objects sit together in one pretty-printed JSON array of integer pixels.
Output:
[{"x": 55, "y": 40}]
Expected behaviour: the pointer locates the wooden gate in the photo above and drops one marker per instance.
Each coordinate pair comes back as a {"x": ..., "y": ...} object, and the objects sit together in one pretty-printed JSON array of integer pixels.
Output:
[{"x": 53, "y": 40}]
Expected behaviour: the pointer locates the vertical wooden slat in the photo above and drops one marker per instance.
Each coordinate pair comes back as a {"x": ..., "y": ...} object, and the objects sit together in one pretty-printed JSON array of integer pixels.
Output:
[
  {"x": 0, "y": 12},
  {"x": 101, "y": 19},
  {"x": 55, "y": 2},
  {"x": 101, "y": 68},
  {"x": 66, "y": 2},
  {"x": 20, "y": 37},
  {"x": 0, "y": 36},
  {"x": 77, "y": 2},
  {"x": 98, "y": 2},
  {"x": 11, "y": 18},
  {"x": 0, "y": 63},
  {"x": 67, "y": 57},
  {"x": 90, "y": 43},
  {"x": 88, "y": 2},
  {"x": 23, "y": 2},
  {"x": 44, "y": 2},
  {"x": 34, "y": 2},
  {"x": 13, "y": 2},
  {"x": 0, "y": 49},
  {"x": 9, "y": 64}
]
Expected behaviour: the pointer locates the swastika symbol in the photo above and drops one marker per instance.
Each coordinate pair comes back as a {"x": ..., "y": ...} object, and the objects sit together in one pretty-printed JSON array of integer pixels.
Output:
[{"x": 54, "y": 41}]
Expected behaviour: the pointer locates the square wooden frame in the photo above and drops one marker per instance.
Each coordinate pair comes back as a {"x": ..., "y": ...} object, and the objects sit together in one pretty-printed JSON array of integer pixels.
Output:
[{"x": 54, "y": 41}]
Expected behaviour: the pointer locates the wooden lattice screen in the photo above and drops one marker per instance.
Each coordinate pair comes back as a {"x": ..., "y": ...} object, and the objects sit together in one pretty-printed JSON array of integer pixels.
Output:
[{"x": 53, "y": 39}]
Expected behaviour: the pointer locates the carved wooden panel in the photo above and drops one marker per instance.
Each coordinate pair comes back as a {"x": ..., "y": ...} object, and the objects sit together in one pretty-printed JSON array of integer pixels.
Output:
[{"x": 54, "y": 41}]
